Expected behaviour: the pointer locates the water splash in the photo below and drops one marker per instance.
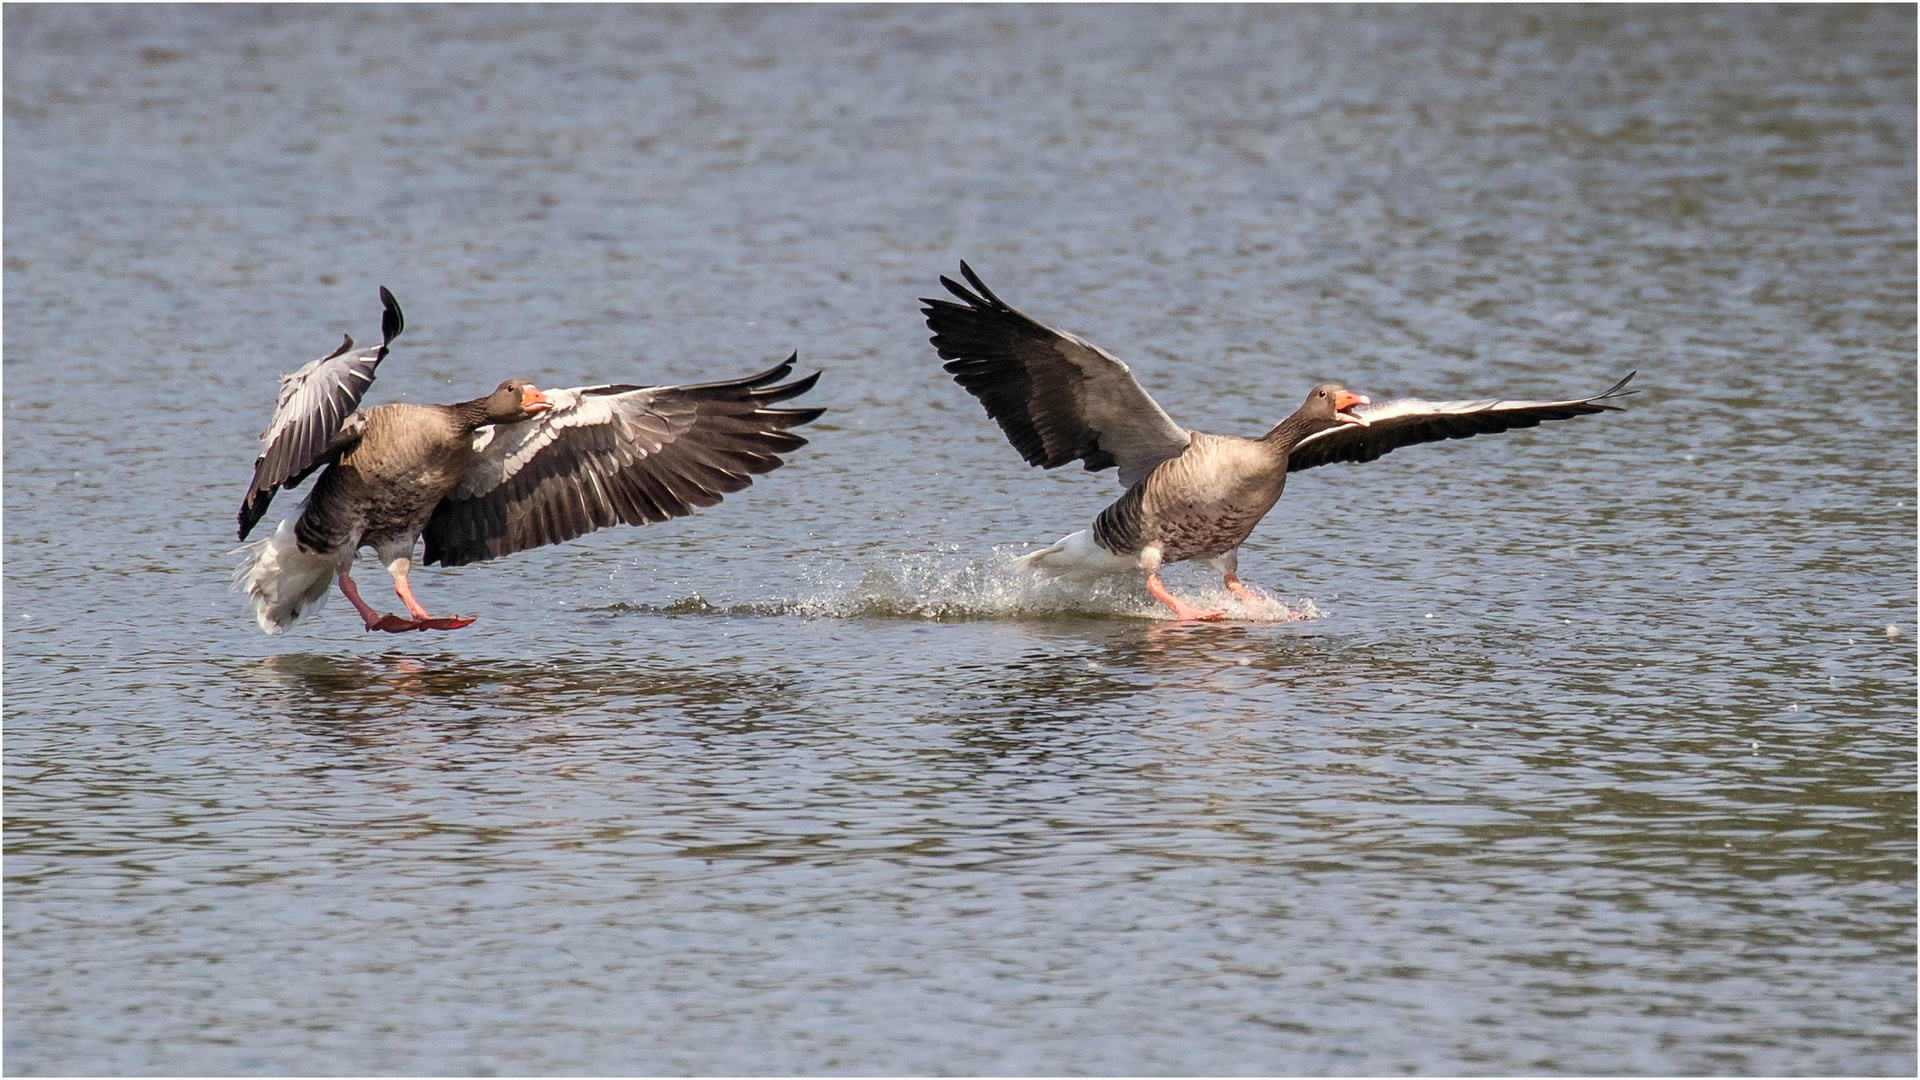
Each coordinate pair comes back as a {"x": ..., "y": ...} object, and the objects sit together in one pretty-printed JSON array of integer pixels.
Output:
[{"x": 946, "y": 588}]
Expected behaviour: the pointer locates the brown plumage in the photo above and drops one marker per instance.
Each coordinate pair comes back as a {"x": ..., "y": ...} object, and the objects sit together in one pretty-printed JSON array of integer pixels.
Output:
[
  {"x": 516, "y": 469},
  {"x": 385, "y": 482},
  {"x": 1190, "y": 495}
]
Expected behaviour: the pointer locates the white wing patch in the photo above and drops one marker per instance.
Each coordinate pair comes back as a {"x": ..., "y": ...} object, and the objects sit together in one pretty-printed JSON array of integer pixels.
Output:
[
  {"x": 1404, "y": 407},
  {"x": 311, "y": 388},
  {"x": 619, "y": 429}
]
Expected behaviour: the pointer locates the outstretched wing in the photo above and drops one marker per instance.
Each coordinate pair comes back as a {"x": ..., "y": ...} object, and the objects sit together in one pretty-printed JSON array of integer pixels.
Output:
[
  {"x": 310, "y": 423},
  {"x": 1058, "y": 398},
  {"x": 603, "y": 455},
  {"x": 1406, "y": 421}
]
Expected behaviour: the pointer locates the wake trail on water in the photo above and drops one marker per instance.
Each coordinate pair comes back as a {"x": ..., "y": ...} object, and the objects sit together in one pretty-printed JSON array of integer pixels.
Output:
[{"x": 949, "y": 587}]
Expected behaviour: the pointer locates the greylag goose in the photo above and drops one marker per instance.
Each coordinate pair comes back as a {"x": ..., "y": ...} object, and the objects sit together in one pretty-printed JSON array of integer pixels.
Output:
[
  {"x": 1190, "y": 495},
  {"x": 519, "y": 468}
]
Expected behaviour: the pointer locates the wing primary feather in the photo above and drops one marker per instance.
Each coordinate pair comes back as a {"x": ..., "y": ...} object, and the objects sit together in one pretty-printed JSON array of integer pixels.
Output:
[
  {"x": 773, "y": 373},
  {"x": 785, "y": 390},
  {"x": 1617, "y": 390},
  {"x": 973, "y": 279},
  {"x": 1056, "y": 397}
]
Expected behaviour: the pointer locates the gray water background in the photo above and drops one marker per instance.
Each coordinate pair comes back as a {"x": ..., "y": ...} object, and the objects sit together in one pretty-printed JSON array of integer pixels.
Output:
[{"x": 1596, "y": 754}]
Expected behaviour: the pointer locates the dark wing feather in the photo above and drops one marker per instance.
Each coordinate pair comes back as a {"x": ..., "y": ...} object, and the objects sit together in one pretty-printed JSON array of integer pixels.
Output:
[
  {"x": 1406, "y": 421},
  {"x": 310, "y": 423},
  {"x": 606, "y": 455},
  {"x": 1057, "y": 398}
]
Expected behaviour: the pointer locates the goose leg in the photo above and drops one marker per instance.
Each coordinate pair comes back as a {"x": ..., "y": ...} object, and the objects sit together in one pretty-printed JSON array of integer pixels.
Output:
[
  {"x": 1150, "y": 562},
  {"x": 1229, "y": 567},
  {"x": 1246, "y": 593},
  {"x": 1181, "y": 609},
  {"x": 421, "y": 620},
  {"x": 373, "y": 619}
]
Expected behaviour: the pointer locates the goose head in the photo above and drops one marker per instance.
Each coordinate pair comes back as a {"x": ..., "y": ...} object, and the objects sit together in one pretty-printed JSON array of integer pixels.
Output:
[
  {"x": 515, "y": 400},
  {"x": 1333, "y": 405}
]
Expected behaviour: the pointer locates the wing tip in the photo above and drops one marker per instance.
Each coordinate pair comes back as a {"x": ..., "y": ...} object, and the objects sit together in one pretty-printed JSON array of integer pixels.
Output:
[
  {"x": 796, "y": 417},
  {"x": 784, "y": 391},
  {"x": 252, "y": 509},
  {"x": 773, "y": 374},
  {"x": 392, "y": 320},
  {"x": 1619, "y": 389},
  {"x": 972, "y": 302},
  {"x": 980, "y": 298},
  {"x": 806, "y": 382},
  {"x": 973, "y": 279}
]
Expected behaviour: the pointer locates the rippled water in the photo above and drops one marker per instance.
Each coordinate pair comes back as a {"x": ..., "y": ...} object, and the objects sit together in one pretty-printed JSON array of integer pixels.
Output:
[{"x": 1591, "y": 748}]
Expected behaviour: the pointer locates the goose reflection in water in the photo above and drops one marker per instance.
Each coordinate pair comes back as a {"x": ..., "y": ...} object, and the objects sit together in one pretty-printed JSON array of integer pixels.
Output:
[{"x": 361, "y": 697}]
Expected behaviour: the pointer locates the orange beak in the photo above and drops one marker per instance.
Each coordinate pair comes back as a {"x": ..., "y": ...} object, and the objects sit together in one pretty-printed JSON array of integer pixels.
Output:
[
  {"x": 533, "y": 401},
  {"x": 1343, "y": 401}
]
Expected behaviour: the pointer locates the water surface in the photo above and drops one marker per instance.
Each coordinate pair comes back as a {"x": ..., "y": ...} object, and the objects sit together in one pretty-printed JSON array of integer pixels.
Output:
[{"x": 1594, "y": 751}]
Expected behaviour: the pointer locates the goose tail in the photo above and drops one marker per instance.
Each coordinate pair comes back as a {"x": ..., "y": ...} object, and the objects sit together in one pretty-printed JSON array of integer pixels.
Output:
[
  {"x": 281, "y": 581},
  {"x": 1078, "y": 555}
]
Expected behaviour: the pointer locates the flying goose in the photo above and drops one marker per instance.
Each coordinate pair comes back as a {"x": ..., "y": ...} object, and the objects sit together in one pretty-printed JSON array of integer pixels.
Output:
[
  {"x": 519, "y": 468},
  {"x": 1190, "y": 495}
]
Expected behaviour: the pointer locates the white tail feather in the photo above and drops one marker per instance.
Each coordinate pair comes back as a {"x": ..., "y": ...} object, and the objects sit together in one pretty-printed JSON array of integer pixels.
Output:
[
  {"x": 281, "y": 581},
  {"x": 1078, "y": 556}
]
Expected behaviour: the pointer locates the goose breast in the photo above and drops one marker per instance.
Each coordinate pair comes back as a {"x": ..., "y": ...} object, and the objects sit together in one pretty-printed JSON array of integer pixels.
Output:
[{"x": 1207, "y": 501}]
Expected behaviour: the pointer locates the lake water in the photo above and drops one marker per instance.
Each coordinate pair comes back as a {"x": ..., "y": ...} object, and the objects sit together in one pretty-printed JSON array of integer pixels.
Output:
[{"x": 1594, "y": 753}]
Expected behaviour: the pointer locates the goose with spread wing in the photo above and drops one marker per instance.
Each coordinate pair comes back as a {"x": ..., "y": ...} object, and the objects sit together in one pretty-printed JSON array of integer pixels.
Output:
[
  {"x": 519, "y": 468},
  {"x": 1189, "y": 494}
]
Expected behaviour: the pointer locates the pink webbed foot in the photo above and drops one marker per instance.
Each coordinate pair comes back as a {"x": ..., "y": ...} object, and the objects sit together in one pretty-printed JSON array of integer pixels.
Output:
[
  {"x": 422, "y": 620},
  {"x": 394, "y": 624}
]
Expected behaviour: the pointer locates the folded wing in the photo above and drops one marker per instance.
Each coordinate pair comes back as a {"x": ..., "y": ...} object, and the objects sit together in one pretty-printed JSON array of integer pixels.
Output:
[
  {"x": 310, "y": 423},
  {"x": 1406, "y": 421},
  {"x": 607, "y": 455},
  {"x": 1058, "y": 398}
]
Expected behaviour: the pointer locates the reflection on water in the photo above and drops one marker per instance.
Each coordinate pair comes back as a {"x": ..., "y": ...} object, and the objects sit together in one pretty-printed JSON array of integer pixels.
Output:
[{"x": 351, "y": 691}]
